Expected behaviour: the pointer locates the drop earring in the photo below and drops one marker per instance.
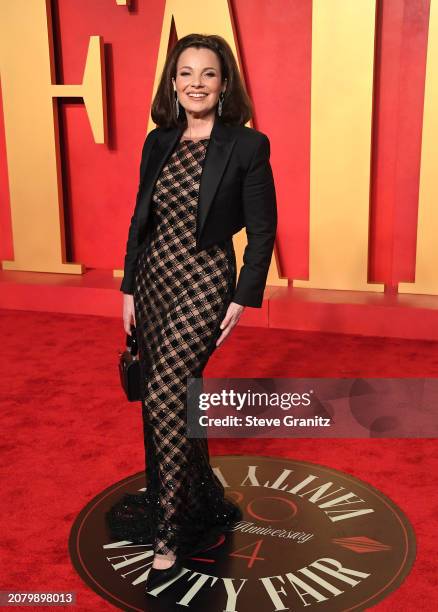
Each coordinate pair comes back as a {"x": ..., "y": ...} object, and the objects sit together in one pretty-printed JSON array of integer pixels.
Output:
[
  {"x": 221, "y": 99},
  {"x": 176, "y": 104}
]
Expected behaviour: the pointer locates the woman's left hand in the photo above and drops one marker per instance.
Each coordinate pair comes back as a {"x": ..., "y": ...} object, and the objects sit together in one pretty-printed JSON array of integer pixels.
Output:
[{"x": 231, "y": 318}]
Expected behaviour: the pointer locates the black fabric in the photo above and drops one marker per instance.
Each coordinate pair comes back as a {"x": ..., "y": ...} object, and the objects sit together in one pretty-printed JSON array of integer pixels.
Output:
[
  {"x": 181, "y": 296},
  {"x": 237, "y": 191}
]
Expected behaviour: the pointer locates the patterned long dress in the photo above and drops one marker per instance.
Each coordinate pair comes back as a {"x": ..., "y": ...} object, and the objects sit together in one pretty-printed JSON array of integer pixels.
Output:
[{"x": 181, "y": 297}]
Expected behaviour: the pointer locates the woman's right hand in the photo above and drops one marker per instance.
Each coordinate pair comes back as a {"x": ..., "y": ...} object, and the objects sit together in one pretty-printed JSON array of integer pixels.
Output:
[{"x": 128, "y": 312}]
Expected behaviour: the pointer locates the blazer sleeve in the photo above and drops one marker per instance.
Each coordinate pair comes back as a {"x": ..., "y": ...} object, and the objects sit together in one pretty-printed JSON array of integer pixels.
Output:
[
  {"x": 260, "y": 216},
  {"x": 132, "y": 244}
]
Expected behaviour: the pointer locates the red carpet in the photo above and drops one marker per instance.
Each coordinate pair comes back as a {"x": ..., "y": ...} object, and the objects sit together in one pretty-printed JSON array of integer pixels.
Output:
[{"x": 69, "y": 433}]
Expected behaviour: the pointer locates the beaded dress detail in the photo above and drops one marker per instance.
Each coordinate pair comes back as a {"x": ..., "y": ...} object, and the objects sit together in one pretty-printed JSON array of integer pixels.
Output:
[{"x": 181, "y": 297}]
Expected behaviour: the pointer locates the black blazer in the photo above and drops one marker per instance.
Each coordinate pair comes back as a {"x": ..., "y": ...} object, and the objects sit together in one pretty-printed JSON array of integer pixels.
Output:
[{"x": 236, "y": 190}]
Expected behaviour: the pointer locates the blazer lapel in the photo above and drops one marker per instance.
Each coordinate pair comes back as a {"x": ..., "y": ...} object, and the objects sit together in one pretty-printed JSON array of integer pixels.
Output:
[
  {"x": 162, "y": 147},
  {"x": 222, "y": 140}
]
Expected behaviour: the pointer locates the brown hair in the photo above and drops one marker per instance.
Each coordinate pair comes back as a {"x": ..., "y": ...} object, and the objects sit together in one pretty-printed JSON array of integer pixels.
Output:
[{"x": 237, "y": 107}]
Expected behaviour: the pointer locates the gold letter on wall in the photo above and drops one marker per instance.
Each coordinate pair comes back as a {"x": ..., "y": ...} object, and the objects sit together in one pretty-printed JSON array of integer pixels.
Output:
[
  {"x": 31, "y": 128},
  {"x": 341, "y": 105},
  {"x": 426, "y": 264}
]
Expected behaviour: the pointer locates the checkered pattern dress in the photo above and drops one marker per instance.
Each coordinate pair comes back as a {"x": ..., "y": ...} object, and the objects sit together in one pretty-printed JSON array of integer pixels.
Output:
[{"x": 181, "y": 297}]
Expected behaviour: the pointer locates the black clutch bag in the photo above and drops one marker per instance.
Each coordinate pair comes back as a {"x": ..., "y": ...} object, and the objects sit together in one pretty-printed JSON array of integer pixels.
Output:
[{"x": 129, "y": 367}]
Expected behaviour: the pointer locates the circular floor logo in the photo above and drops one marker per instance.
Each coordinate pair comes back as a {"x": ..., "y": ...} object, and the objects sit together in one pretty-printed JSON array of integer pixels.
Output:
[{"x": 310, "y": 537}]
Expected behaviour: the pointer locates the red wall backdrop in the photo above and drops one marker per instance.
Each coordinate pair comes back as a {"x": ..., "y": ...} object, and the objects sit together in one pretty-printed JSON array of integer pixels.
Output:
[{"x": 275, "y": 39}]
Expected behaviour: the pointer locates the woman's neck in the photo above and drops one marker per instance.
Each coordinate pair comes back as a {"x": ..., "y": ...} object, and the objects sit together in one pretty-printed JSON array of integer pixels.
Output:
[{"x": 197, "y": 130}]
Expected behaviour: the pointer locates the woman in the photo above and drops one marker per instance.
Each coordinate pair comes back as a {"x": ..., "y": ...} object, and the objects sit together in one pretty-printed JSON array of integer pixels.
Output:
[{"x": 180, "y": 288}]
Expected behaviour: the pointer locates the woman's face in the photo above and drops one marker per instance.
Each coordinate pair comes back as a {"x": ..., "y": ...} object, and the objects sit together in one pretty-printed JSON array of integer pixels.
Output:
[{"x": 198, "y": 71}]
